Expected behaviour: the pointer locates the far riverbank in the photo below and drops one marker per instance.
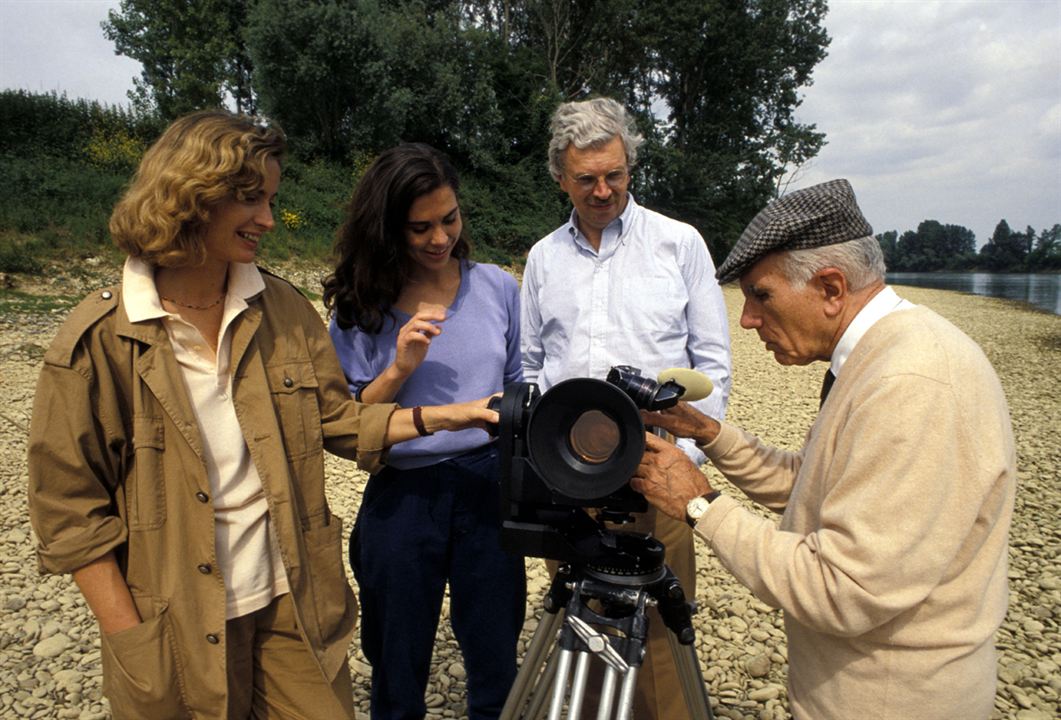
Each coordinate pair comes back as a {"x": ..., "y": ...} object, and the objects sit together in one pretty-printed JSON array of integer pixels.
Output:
[{"x": 1043, "y": 290}]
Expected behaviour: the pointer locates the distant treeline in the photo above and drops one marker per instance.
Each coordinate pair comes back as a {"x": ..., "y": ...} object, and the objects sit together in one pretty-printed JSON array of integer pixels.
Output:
[
  {"x": 63, "y": 164},
  {"x": 713, "y": 85},
  {"x": 935, "y": 246}
]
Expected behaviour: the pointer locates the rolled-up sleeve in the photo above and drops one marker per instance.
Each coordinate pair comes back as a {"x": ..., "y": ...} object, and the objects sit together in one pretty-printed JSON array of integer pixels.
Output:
[
  {"x": 75, "y": 453},
  {"x": 351, "y": 429}
]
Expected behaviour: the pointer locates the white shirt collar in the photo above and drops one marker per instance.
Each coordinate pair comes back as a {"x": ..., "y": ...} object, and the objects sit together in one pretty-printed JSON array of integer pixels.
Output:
[
  {"x": 883, "y": 303},
  {"x": 618, "y": 225},
  {"x": 140, "y": 296}
]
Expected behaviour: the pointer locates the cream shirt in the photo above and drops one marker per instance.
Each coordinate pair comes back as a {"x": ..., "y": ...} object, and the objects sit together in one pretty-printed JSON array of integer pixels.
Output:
[{"x": 247, "y": 555}]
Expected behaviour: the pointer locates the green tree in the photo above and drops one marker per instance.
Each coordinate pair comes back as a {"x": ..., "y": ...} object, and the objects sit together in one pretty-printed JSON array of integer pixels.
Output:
[
  {"x": 192, "y": 53},
  {"x": 1005, "y": 251},
  {"x": 889, "y": 247},
  {"x": 364, "y": 75},
  {"x": 729, "y": 74},
  {"x": 320, "y": 70},
  {"x": 933, "y": 246},
  {"x": 1047, "y": 252},
  {"x": 715, "y": 84}
]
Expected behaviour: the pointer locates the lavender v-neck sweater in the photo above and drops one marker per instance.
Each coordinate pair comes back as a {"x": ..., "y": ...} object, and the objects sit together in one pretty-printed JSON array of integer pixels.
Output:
[{"x": 476, "y": 354}]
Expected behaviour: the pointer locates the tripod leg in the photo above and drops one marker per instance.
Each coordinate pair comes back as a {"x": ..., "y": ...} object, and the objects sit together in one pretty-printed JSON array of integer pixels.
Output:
[
  {"x": 578, "y": 686},
  {"x": 528, "y": 675},
  {"x": 626, "y": 695},
  {"x": 694, "y": 689},
  {"x": 563, "y": 672},
  {"x": 607, "y": 693},
  {"x": 536, "y": 709}
]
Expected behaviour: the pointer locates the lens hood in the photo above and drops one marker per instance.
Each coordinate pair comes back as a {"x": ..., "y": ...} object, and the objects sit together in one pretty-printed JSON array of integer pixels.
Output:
[{"x": 585, "y": 438}]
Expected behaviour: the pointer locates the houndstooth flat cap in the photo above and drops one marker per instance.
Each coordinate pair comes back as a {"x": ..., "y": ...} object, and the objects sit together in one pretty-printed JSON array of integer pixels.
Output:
[{"x": 824, "y": 214}]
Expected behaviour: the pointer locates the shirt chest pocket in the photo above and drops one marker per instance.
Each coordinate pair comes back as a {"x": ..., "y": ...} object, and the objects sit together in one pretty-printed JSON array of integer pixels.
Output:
[
  {"x": 659, "y": 305},
  {"x": 293, "y": 386},
  {"x": 145, "y": 487}
]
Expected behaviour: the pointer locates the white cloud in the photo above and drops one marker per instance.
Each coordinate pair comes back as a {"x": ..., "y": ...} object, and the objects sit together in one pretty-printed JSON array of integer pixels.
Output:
[
  {"x": 942, "y": 110},
  {"x": 58, "y": 45}
]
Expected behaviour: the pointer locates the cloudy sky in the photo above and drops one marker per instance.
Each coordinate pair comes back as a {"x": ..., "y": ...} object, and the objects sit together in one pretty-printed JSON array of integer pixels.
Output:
[{"x": 942, "y": 110}]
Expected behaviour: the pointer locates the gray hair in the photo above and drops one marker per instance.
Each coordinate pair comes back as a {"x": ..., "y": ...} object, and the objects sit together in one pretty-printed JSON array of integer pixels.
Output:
[
  {"x": 590, "y": 123},
  {"x": 861, "y": 261}
]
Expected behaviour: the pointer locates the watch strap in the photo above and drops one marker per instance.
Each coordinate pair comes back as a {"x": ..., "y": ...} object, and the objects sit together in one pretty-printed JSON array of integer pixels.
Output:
[{"x": 418, "y": 421}]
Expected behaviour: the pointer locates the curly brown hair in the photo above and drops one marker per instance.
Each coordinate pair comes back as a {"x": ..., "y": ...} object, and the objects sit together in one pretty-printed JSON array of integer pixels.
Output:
[{"x": 201, "y": 159}]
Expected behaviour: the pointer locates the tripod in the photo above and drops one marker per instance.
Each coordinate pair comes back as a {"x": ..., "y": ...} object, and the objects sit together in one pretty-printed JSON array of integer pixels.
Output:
[{"x": 554, "y": 662}]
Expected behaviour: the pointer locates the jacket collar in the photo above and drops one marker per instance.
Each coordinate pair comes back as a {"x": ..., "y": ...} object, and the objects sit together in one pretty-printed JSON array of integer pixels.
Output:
[{"x": 140, "y": 311}]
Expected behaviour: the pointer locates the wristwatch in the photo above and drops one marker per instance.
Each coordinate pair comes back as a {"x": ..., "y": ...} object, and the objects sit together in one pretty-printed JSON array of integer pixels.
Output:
[{"x": 696, "y": 507}]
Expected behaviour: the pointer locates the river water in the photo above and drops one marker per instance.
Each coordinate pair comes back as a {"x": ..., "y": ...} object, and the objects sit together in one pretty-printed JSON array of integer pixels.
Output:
[{"x": 1039, "y": 289}]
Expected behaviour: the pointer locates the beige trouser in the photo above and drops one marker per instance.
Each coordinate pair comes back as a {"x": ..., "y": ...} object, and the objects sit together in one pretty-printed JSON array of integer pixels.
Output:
[
  {"x": 659, "y": 692},
  {"x": 271, "y": 673}
]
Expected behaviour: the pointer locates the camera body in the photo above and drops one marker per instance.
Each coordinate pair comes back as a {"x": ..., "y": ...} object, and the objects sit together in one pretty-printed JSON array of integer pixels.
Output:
[{"x": 573, "y": 448}]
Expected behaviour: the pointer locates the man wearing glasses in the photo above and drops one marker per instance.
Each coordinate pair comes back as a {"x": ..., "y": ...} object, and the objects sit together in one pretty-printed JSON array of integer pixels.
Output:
[{"x": 619, "y": 284}]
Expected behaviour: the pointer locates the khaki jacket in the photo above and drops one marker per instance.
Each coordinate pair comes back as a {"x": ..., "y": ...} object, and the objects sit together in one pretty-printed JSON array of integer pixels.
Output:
[{"x": 115, "y": 464}]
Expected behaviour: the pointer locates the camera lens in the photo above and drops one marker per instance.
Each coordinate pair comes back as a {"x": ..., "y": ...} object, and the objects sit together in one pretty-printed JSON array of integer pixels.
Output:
[
  {"x": 584, "y": 439},
  {"x": 594, "y": 437}
]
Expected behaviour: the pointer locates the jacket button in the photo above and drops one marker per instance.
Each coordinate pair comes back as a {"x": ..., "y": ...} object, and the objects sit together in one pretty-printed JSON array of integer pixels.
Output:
[
  {"x": 213, "y": 639},
  {"x": 202, "y": 497},
  {"x": 205, "y": 569},
  {"x": 288, "y": 382},
  {"x": 107, "y": 294}
]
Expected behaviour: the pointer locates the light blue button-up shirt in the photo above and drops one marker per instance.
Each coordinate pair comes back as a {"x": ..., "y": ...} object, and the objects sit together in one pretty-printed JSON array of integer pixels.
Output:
[{"x": 648, "y": 298}]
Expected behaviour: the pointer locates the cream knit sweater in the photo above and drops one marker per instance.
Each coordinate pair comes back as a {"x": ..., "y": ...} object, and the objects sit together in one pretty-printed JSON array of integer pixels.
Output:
[{"x": 890, "y": 558}]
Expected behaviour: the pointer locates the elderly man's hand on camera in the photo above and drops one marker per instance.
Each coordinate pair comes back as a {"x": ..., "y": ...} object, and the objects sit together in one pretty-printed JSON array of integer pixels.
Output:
[
  {"x": 668, "y": 478},
  {"x": 684, "y": 421}
]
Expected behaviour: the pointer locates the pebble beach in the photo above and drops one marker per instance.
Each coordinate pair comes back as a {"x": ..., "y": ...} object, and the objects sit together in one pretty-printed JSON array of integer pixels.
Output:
[{"x": 49, "y": 642}]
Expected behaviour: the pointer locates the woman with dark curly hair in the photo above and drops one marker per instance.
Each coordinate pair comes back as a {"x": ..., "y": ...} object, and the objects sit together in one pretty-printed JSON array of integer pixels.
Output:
[
  {"x": 414, "y": 321},
  {"x": 176, "y": 451}
]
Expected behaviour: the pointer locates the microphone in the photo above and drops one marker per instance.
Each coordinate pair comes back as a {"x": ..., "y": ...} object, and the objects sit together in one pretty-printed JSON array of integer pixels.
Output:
[{"x": 697, "y": 385}]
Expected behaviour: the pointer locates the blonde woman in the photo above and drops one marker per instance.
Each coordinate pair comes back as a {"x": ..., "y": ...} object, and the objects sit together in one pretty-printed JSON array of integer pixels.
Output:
[{"x": 176, "y": 450}]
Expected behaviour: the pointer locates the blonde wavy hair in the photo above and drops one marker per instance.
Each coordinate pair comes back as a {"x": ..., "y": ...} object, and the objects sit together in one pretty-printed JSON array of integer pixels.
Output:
[{"x": 201, "y": 160}]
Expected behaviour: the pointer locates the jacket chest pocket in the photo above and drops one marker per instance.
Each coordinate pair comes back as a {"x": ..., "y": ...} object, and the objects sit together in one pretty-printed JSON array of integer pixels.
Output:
[
  {"x": 145, "y": 487},
  {"x": 294, "y": 392}
]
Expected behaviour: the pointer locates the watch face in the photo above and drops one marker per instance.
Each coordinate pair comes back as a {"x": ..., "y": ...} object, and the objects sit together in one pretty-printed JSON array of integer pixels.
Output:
[{"x": 697, "y": 507}]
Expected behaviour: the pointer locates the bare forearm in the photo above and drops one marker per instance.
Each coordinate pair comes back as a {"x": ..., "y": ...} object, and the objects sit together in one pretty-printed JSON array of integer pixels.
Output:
[
  {"x": 685, "y": 421},
  {"x": 107, "y": 594},
  {"x": 707, "y": 431},
  {"x": 384, "y": 388},
  {"x": 457, "y": 416}
]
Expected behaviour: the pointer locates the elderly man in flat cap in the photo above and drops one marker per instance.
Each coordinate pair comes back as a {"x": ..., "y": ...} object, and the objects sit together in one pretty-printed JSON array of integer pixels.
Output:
[{"x": 890, "y": 559}]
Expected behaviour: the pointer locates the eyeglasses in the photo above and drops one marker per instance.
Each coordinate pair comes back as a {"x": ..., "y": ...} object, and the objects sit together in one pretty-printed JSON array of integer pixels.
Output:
[{"x": 616, "y": 180}]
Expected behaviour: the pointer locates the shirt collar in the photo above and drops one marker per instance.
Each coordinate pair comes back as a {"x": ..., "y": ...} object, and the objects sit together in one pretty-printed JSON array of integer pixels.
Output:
[
  {"x": 619, "y": 224},
  {"x": 883, "y": 303},
  {"x": 140, "y": 296}
]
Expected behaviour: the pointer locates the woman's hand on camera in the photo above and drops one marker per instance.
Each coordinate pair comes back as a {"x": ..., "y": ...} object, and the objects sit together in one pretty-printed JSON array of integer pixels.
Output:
[
  {"x": 684, "y": 421},
  {"x": 460, "y": 416}
]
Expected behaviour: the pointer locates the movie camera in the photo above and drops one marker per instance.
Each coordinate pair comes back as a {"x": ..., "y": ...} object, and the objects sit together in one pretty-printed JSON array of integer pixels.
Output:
[
  {"x": 575, "y": 448},
  {"x": 571, "y": 449}
]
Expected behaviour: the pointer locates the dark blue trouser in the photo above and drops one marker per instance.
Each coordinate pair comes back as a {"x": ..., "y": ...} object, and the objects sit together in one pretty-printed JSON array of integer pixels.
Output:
[{"x": 416, "y": 530}]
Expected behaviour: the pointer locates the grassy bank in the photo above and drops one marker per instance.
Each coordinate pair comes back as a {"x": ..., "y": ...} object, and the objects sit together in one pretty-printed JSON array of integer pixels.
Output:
[{"x": 64, "y": 164}]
